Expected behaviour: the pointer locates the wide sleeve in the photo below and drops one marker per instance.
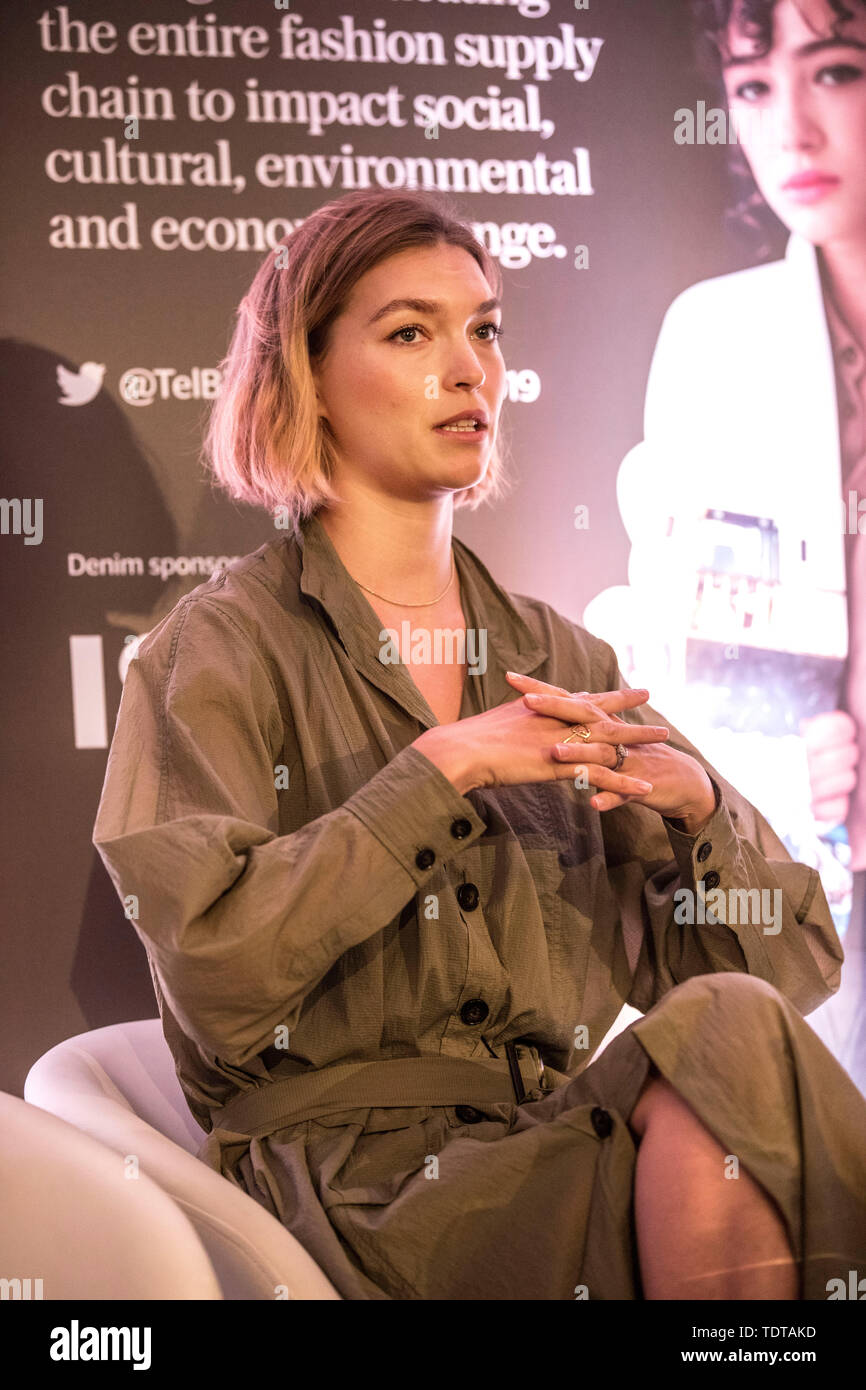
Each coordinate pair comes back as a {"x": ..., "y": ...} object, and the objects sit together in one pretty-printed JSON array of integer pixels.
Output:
[
  {"x": 241, "y": 923},
  {"x": 783, "y": 933}
]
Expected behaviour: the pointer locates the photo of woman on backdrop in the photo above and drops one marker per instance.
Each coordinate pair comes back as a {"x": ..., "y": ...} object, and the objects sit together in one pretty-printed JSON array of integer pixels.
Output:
[{"x": 745, "y": 503}]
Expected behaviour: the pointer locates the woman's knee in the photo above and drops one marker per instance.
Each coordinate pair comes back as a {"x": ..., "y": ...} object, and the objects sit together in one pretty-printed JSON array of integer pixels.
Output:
[
  {"x": 728, "y": 989},
  {"x": 728, "y": 1008}
]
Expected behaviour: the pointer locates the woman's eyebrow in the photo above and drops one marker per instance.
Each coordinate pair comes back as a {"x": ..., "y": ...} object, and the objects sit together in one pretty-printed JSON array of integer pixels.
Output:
[
  {"x": 426, "y": 306},
  {"x": 819, "y": 45},
  {"x": 805, "y": 51}
]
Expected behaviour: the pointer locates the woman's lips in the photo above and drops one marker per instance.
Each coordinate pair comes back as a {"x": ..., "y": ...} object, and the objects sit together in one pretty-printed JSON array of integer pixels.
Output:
[
  {"x": 810, "y": 187},
  {"x": 462, "y": 435}
]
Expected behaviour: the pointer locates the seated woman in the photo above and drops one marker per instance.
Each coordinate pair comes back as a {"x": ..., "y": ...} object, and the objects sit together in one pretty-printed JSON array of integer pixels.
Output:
[{"x": 392, "y": 907}]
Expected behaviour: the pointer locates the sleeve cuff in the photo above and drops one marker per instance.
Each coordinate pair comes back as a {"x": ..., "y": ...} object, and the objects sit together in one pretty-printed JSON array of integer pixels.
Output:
[
  {"x": 711, "y": 851},
  {"x": 416, "y": 813}
]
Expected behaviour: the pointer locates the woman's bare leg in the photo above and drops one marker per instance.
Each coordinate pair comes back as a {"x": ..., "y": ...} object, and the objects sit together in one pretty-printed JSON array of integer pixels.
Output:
[{"x": 701, "y": 1234}]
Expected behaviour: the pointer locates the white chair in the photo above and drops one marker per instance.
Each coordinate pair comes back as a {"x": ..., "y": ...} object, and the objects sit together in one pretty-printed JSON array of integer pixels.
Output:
[
  {"x": 77, "y": 1221},
  {"x": 624, "y": 1019},
  {"x": 119, "y": 1085}
]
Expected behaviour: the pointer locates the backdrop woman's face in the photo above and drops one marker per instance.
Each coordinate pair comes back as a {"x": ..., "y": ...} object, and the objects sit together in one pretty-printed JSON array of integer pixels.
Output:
[
  {"x": 801, "y": 116},
  {"x": 416, "y": 344}
]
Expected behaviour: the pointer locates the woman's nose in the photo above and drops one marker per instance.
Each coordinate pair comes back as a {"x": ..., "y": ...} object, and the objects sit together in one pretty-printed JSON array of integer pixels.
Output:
[
  {"x": 796, "y": 127},
  {"x": 465, "y": 369}
]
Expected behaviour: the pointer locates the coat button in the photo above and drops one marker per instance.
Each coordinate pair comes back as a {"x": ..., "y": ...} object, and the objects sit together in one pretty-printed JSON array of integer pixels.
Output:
[
  {"x": 461, "y": 828},
  {"x": 467, "y": 896},
  {"x": 712, "y": 880},
  {"x": 474, "y": 1011},
  {"x": 705, "y": 851},
  {"x": 601, "y": 1122},
  {"x": 468, "y": 1115},
  {"x": 424, "y": 858}
]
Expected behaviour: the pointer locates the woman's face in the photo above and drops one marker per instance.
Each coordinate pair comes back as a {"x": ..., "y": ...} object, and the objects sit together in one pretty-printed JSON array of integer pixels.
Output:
[
  {"x": 395, "y": 371},
  {"x": 801, "y": 116}
]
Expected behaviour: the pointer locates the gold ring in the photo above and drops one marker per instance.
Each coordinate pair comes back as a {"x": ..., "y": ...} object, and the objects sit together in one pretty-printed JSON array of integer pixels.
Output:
[{"x": 579, "y": 731}]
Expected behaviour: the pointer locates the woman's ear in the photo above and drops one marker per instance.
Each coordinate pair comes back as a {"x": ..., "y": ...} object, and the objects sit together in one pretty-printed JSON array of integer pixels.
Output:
[{"x": 315, "y": 372}]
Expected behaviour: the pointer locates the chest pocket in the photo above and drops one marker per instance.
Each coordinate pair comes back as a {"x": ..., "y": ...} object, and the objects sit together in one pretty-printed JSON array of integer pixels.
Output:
[
  {"x": 560, "y": 844},
  {"x": 555, "y": 834}
]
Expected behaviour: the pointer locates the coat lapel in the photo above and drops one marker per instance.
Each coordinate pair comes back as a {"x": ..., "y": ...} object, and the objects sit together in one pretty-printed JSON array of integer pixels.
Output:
[{"x": 510, "y": 644}]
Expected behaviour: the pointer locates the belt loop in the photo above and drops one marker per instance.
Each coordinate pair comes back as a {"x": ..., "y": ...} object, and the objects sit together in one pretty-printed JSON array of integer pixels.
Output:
[{"x": 514, "y": 1068}]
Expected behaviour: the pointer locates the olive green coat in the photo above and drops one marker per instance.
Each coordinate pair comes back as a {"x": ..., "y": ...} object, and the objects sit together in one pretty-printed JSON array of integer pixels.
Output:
[{"x": 290, "y": 862}]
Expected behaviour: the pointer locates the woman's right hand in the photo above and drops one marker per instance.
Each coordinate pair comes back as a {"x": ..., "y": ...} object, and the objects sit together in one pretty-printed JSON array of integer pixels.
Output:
[{"x": 512, "y": 744}]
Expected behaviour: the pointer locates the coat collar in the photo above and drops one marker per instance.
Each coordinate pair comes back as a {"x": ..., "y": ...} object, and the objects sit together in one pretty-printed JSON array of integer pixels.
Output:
[{"x": 511, "y": 644}]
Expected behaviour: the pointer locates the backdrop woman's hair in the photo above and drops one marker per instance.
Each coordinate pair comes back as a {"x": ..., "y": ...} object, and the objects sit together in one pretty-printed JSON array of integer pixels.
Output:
[
  {"x": 753, "y": 19},
  {"x": 265, "y": 442}
]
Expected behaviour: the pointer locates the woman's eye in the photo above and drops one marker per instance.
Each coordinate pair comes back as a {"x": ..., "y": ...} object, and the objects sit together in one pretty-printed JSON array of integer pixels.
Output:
[
  {"x": 409, "y": 328},
  {"x": 839, "y": 75},
  {"x": 751, "y": 91},
  {"x": 496, "y": 332}
]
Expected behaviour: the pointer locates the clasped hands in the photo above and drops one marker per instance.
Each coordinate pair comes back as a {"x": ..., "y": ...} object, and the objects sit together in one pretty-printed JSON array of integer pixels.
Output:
[{"x": 654, "y": 774}]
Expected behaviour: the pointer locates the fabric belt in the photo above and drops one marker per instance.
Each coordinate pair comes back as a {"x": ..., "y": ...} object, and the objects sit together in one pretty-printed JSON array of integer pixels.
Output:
[{"x": 391, "y": 1082}]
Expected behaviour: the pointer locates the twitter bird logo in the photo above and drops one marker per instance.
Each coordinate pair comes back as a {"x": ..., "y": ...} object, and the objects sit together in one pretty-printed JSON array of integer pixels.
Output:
[{"x": 79, "y": 388}]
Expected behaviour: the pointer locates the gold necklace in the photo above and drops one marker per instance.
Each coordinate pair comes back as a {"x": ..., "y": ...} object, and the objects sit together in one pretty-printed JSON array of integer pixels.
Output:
[{"x": 429, "y": 604}]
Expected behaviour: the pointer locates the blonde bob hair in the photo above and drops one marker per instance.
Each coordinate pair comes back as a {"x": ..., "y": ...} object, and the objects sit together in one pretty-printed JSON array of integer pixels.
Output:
[{"x": 265, "y": 442}]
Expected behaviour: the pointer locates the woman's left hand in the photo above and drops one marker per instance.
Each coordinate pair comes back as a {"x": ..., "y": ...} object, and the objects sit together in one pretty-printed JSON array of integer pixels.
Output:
[{"x": 681, "y": 789}]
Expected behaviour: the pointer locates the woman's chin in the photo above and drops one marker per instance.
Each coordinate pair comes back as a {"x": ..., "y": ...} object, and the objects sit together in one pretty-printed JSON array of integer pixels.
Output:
[
  {"x": 463, "y": 473},
  {"x": 815, "y": 224},
  {"x": 472, "y": 477}
]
